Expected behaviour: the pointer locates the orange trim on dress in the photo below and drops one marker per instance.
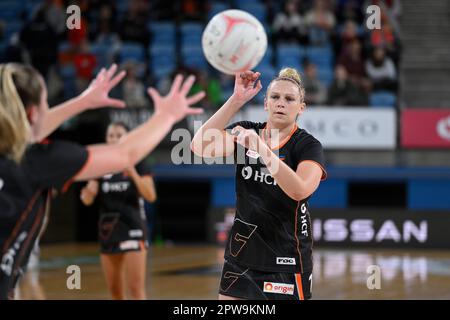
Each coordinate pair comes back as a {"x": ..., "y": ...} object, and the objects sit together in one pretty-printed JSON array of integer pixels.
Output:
[
  {"x": 21, "y": 219},
  {"x": 298, "y": 281},
  {"x": 286, "y": 140}
]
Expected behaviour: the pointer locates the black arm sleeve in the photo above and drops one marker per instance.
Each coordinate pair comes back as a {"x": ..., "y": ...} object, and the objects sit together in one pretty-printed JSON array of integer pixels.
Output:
[{"x": 54, "y": 164}]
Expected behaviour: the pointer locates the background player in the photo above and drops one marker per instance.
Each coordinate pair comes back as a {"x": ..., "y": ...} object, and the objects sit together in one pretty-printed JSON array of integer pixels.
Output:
[{"x": 123, "y": 231}]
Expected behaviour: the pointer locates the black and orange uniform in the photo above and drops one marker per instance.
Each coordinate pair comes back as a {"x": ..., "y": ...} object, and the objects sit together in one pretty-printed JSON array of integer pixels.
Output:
[
  {"x": 269, "y": 251},
  {"x": 122, "y": 222},
  {"x": 24, "y": 198}
]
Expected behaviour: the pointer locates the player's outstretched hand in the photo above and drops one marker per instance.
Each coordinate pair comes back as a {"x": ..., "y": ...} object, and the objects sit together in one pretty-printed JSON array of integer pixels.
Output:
[
  {"x": 97, "y": 94},
  {"x": 176, "y": 103},
  {"x": 246, "y": 86}
]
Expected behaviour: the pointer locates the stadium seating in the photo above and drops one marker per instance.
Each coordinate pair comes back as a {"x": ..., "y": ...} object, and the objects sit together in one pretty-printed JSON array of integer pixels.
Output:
[
  {"x": 255, "y": 8},
  {"x": 131, "y": 52},
  {"x": 383, "y": 99}
]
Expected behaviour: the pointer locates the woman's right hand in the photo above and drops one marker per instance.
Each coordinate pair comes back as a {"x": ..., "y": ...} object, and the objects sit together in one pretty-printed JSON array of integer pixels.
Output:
[
  {"x": 245, "y": 86},
  {"x": 97, "y": 94},
  {"x": 176, "y": 104},
  {"x": 91, "y": 188},
  {"x": 89, "y": 192}
]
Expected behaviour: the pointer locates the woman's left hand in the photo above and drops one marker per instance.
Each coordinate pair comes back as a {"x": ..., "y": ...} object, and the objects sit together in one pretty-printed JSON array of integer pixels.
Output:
[{"x": 247, "y": 138}]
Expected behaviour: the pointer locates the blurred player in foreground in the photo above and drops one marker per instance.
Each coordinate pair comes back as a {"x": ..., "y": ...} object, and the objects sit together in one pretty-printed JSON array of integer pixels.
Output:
[{"x": 28, "y": 170}]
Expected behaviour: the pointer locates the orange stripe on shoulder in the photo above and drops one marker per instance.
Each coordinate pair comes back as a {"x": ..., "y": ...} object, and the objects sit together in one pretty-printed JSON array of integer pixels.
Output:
[{"x": 286, "y": 140}]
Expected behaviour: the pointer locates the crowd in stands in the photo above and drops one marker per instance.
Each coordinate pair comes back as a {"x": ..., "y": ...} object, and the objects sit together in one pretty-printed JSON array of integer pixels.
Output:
[{"x": 343, "y": 63}]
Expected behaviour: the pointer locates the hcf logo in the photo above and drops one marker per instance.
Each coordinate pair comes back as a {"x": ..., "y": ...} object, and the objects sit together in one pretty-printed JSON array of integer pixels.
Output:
[{"x": 257, "y": 176}]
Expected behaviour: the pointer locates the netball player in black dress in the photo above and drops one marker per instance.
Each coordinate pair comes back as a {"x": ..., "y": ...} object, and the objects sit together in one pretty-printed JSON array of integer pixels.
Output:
[
  {"x": 122, "y": 224},
  {"x": 278, "y": 167},
  {"x": 29, "y": 170}
]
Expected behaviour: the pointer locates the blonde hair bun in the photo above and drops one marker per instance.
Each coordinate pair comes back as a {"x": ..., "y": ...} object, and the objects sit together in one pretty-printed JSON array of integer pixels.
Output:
[{"x": 290, "y": 73}]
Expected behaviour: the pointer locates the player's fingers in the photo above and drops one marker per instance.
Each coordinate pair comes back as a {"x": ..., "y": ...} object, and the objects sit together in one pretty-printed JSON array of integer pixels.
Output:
[
  {"x": 193, "y": 111},
  {"x": 116, "y": 103},
  {"x": 116, "y": 79},
  {"x": 187, "y": 85},
  {"x": 237, "y": 130},
  {"x": 259, "y": 85},
  {"x": 176, "y": 84},
  {"x": 247, "y": 74},
  {"x": 241, "y": 140},
  {"x": 239, "y": 78},
  {"x": 196, "y": 98},
  {"x": 154, "y": 94},
  {"x": 101, "y": 75},
  {"x": 111, "y": 71}
]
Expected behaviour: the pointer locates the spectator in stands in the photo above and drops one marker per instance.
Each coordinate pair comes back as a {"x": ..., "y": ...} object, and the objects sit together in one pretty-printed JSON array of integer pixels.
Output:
[
  {"x": 133, "y": 27},
  {"x": 349, "y": 33},
  {"x": 193, "y": 9},
  {"x": 315, "y": 90},
  {"x": 321, "y": 22},
  {"x": 103, "y": 11},
  {"x": 105, "y": 31},
  {"x": 55, "y": 15},
  {"x": 387, "y": 36},
  {"x": 2, "y": 30},
  {"x": 106, "y": 35},
  {"x": 211, "y": 86},
  {"x": 161, "y": 11},
  {"x": 381, "y": 71},
  {"x": 41, "y": 42},
  {"x": 289, "y": 25},
  {"x": 14, "y": 51},
  {"x": 272, "y": 9},
  {"x": 133, "y": 89},
  {"x": 77, "y": 36},
  {"x": 384, "y": 36},
  {"x": 226, "y": 83},
  {"x": 85, "y": 64},
  {"x": 390, "y": 8},
  {"x": 343, "y": 92},
  {"x": 352, "y": 59},
  {"x": 350, "y": 10},
  {"x": 163, "y": 85}
]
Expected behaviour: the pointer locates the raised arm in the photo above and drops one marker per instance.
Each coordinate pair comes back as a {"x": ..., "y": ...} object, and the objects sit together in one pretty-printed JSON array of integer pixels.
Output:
[
  {"x": 95, "y": 96},
  {"x": 134, "y": 146},
  {"x": 211, "y": 140}
]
